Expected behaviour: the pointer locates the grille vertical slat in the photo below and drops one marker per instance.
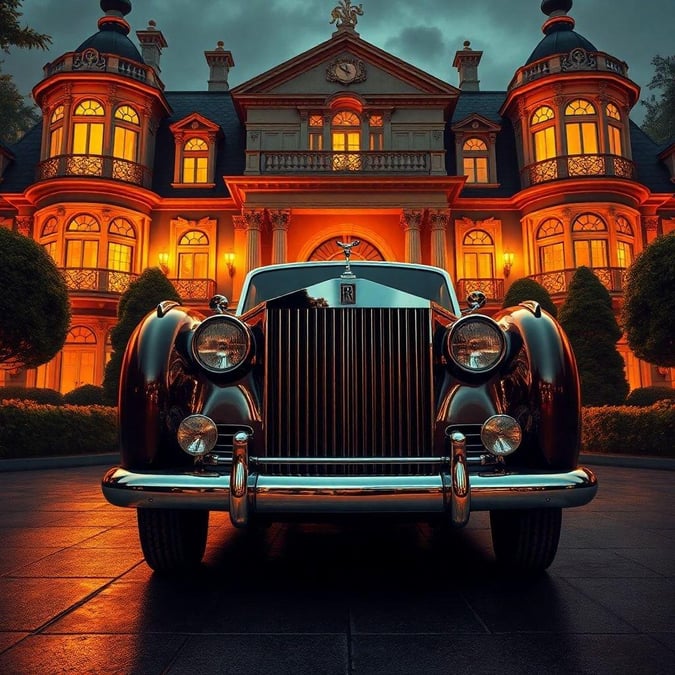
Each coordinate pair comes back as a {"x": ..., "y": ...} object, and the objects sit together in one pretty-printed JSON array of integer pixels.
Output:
[{"x": 348, "y": 383}]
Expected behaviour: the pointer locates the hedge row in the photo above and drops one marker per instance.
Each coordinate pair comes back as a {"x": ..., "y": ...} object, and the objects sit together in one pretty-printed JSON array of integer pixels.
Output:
[
  {"x": 630, "y": 430},
  {"x": 31, "y": 430}
]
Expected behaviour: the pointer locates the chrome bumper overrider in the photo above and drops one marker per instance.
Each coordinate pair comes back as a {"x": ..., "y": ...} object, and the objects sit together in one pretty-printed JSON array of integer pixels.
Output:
[{"x": 245, "y": 493}]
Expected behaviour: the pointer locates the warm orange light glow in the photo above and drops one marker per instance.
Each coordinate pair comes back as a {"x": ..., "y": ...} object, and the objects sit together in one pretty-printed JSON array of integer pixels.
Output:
[
  {"x": 508, "y": 262},
  {"x": 163, "y": 259},
  {"x": 230, "y": 257}
]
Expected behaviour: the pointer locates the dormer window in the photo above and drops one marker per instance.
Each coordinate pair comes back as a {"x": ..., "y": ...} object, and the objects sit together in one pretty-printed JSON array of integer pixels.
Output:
[
  {"x": 195, "y": 161},
  {"x": 195, "y": 138},
  {"x": 475, "y": 160}
]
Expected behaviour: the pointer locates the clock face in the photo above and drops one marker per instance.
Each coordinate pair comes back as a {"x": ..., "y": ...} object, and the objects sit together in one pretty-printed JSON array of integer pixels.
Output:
[{"x": 344, "y": 71}]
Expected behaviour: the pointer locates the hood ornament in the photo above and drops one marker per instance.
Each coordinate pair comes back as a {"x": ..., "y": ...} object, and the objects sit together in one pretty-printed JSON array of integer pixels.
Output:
[{"x": 347, "y": 250}]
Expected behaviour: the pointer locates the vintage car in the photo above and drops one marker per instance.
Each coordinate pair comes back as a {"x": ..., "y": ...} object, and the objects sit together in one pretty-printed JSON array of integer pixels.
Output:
[{"x": 340, "y": 389}]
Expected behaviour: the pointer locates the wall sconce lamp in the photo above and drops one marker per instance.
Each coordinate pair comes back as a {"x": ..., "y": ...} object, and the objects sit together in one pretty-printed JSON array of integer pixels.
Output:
[
  {"x": 229, "y": 261},
  {"x": 508, "y": 262},
  {"x": 163, "y": 259}
]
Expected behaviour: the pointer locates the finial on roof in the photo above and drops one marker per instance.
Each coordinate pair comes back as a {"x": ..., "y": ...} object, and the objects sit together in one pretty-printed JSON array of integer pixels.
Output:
[
  {"x": 115, "y": 11},
  {"x": 345, "y": 16},
  {"x": 556, "y": 7},
  {"x": 118, "y": 7}
]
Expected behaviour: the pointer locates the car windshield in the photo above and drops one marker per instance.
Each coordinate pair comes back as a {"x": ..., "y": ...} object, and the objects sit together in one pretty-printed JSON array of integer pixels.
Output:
[{"x": 421, "y": 282}]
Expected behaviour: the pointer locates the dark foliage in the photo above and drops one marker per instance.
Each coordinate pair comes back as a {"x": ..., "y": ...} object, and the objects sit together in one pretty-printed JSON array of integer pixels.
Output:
[
  {"x": 87, "y": 394},
  {"x": 649, "y": 303},
  {"x": 588, "y": 319},
  {"x": 529, "y": 289},
  {"x": 34, "y": 303},
  {"x": 660, "y": 118},
  {"x": 142, "y": 297},
  {"x": 45, "y": 396},
  {"x": 646, "y": 396}
]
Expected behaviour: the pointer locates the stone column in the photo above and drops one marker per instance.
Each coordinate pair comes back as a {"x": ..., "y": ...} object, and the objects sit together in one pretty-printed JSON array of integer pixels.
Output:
[
  {"x": 439, "y": 220},
  {"x": 254, "y": 225},
  {"x": 411, "y": 221},
  {"x": 650, "y": 225},
  {"x": 280, "y": 220}
]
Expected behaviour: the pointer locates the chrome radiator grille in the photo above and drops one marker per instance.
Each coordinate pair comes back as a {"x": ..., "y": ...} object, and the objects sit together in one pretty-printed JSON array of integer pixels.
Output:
[{"x": 353, "y": 382}]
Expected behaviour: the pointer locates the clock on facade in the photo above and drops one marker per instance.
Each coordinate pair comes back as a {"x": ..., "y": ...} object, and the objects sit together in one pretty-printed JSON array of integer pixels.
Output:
[{"x": 344, "y": 71}]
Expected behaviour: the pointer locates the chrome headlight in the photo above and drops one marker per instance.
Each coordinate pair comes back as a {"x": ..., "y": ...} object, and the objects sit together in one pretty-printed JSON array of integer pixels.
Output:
[
  {"x": 501, "y": 435},
  {"x": 197, "y": 435},
  {"x": 476, "y": 344},
  {"x": 221, "y": 344}
]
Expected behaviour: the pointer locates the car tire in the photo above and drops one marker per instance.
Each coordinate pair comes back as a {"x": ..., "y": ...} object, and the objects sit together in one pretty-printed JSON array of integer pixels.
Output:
[
  {"x": 172, "y": 540},
  {"x": 526, "y": 540}
]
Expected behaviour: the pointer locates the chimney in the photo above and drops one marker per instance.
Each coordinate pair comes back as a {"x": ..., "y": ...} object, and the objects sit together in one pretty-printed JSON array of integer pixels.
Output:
[
  {"x": 466, "y": 61},
  {"x": 220, "y": 62},
  {"x": 152, "y": 42}
]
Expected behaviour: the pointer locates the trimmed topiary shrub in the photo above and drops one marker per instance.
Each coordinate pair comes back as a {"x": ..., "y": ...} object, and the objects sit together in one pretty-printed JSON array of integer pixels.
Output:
[
  {"x": 31, "y": 430},
  {"x": 47, "y": 396},
  {"x": 646, "y": 396},
  {"x": 87, "y": 394},
  {"x": 528, "y": 289}
]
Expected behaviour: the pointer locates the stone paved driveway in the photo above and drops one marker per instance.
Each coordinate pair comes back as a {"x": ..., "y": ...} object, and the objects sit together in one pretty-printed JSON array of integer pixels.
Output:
[{"x": 76, "y": 596}]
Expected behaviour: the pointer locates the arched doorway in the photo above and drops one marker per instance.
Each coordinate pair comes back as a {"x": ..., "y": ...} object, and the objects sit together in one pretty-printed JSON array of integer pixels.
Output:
[{"x": 329, "y": 250}]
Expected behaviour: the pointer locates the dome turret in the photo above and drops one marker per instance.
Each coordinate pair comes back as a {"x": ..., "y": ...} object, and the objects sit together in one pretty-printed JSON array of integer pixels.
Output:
[
  {"x": 113, "y": 31},
  {"x": 559, "y": 34}
]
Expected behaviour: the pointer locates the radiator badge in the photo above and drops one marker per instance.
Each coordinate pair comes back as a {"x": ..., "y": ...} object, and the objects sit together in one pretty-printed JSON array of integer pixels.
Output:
[{"x": 347, "y": 294}]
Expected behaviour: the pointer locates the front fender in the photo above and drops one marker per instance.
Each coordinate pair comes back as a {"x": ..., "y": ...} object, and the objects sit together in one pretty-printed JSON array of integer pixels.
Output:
[
  {"x": 543, "y": 369},
  {"x": 150, "y": 362}
]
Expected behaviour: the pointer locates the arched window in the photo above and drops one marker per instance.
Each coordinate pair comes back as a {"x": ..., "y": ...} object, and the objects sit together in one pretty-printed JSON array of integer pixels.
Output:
[
  {"x": 195, "y": 161},
  {"x": 614, "y": 129},
  {"x": 581, "y": 128},
  {"x": 78, "y": 359},
  {"x": 590, "y": 247},
  {"x": 315, "y": 132},
  {"x": 193, "y": 255},
  {"x": 542, "y": 127},
  {"x": 88, "y": 128},
  {"x": 346, "y": 138},
  {"x": 56, "y": 131},
  {"x": 550, "y": 245},
  {"x": 479, "y": 255},
  {"x": 82, "y": 241},
  {"x": 48, "y": 235},
  {"x": 121, "y": 239},
  {"x": 125, "y": 136},
  {"x": 475, "y": 157},
  {"x": 624, "y": 242}
]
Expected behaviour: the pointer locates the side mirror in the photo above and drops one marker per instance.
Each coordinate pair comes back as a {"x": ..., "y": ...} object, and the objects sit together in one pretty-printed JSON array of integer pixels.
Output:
[
  {"x": 475, "y": 300},
  {"x": 218, "y": 304}
]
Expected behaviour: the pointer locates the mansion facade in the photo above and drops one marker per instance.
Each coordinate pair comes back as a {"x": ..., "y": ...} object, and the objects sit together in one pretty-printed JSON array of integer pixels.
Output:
[{"x": 344, "y": 141}]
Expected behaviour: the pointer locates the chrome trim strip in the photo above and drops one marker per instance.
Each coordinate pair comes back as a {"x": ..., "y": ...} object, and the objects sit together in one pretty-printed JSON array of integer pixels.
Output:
[
  {"x": 344, "y": 494},
  {"x": 348, "y": 460},
  {"x": 460, "y": 506}
]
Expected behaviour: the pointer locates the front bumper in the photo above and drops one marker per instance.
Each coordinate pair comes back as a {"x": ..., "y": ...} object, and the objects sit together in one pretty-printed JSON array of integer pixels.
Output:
[{"x": 244, "y": 493}]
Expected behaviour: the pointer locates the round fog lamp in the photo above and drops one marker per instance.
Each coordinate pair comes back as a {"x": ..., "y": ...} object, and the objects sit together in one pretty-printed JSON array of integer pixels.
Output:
[
  {"x": 501, "y": 435},
  {"x": 197, "y": 435}
]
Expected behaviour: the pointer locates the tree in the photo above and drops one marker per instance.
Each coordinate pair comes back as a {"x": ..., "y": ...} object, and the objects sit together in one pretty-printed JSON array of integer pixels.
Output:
[
  {"x": 142, "y": 296},
  {"x": 16, "y": 115},
  {"x": 529, "y": 289},
  {"x": 660, "y": 118},
  {"x": 649, "y": 303},
  {"x": 588, "y": 319},
  {"x": 12, "y": 34},
  {"x": 34, "y": 303}
]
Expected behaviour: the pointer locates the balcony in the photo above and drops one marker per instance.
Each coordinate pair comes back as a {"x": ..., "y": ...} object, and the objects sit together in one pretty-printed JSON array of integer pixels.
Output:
[
  {"x": 329, "y": 162},
  {"x": 195, "y": 289},
  {"x": 94, "y": 166},
  {"x": 576, "y": 166},
  {"x": 492, "y": 288},
  {"x": 557, "y": 283},
  {"x": 576, "y": 60},
  {"x": 95, "y": 280}
]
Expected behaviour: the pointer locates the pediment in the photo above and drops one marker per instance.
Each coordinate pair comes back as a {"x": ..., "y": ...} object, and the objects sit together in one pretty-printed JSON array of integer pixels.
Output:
[
  {"x": 370, "y": 71},
  {"x": 194, "y": 123},
  {"x": 476, "y": 123}
]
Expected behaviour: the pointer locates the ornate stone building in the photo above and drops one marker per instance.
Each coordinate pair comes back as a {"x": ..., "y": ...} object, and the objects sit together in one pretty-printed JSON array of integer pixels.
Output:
[{"x": 342, "y": 141}]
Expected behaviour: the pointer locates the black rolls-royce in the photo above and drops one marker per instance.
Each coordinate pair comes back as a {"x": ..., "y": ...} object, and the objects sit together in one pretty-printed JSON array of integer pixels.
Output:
[{"x": 338, "y": 389}]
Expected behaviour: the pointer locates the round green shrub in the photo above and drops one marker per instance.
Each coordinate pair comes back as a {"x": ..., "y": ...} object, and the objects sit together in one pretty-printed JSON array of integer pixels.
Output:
[
  {"x": 45, "y": 396},
  {"x": 87, "y": 394},
  {"x": 646, "y": 396}
]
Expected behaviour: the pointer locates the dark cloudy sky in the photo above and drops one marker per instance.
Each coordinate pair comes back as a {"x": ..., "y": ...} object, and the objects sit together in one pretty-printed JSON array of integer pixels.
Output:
[{"x": 426, "y": 33}]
